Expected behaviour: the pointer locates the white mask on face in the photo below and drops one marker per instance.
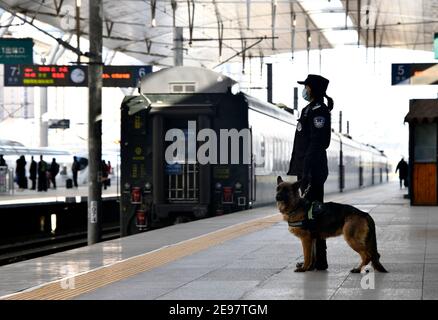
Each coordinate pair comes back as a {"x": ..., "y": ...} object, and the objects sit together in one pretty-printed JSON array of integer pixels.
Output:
[{"x": 305, "y": 94}]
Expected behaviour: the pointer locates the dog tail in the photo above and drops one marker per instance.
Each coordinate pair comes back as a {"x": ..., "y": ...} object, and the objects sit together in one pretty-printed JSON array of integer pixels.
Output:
[{"x": 375, "y": 256}]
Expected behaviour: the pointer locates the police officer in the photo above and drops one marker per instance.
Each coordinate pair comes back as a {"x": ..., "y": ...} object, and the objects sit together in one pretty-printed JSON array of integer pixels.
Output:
[{"x": 309, "y": 157}]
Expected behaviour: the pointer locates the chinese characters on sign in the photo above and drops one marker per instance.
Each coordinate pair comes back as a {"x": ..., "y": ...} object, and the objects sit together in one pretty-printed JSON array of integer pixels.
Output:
[
  {"x": 71, "y": 76},
  {"x": 13, "y": 51}
]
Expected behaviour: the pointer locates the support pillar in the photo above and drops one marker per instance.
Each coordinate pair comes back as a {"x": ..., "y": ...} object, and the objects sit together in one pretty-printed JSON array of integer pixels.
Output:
[{"x": 95, "y": 123}]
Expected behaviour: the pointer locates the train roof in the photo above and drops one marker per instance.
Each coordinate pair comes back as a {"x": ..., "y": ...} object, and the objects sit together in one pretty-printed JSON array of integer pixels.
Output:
[
  {"x": 198, "y": 81},
  {"x": 17, "y": 150},
  {"x": 185, "y": 80},
  {"x": 268, "y": 109}
]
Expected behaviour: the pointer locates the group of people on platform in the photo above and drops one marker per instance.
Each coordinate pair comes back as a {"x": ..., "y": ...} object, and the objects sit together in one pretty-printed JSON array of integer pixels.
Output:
[{"x": 43, "y": 175}]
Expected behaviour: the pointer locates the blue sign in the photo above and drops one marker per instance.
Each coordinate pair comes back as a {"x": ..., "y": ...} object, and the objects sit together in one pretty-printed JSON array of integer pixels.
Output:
[
  {"x": 401, "y": 73},
  {"x": 13, "y": 51},
  {"x": 175, "y": 168},
  {"x": 414, "y": 74}
]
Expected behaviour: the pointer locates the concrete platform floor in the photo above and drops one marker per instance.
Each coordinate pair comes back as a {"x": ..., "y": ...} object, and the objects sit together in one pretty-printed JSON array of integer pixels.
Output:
[{"x": 260, "y": 265}]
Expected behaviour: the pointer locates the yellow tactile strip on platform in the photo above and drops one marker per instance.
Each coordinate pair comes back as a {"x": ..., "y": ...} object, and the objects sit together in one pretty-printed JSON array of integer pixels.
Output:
[{"x": 103, "y": 276}]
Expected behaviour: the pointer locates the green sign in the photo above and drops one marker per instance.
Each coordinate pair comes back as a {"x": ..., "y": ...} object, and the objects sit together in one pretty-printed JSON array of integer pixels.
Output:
[
  {"x": 435, "y": 45},
  {"x": 16, "y": 51}
]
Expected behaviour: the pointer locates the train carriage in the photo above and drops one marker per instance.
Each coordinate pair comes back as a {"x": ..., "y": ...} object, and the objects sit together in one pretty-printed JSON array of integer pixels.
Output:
[{"x": 233, "y": 148}]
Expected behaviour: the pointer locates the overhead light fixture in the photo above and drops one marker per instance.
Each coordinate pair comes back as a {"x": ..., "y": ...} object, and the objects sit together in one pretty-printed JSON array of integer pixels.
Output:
[
  {"x": 153, "y": 6},
  {"x": 78, "y": 3}
]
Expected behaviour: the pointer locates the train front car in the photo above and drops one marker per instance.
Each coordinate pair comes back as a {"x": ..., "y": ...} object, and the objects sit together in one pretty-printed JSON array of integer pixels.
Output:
[
  {"x": 185, "y": 149},
  {"x": 192, "y": 146}
]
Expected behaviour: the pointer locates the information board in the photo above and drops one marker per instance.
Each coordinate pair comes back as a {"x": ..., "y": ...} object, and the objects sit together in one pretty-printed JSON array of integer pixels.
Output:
[
  {"x": 414, "y": 74},
  {"x": 71, "y": 76},
  {"x": 13, "y": 51}
]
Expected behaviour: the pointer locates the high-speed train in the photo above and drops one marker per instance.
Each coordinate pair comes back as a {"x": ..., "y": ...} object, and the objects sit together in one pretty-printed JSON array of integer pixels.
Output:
[{"x": 174, "y": 101}]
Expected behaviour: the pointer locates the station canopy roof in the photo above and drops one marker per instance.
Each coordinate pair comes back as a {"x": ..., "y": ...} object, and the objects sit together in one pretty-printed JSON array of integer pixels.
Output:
[
  {"x": 250, "y": 28},
  {"x": 422, "y": 110}
]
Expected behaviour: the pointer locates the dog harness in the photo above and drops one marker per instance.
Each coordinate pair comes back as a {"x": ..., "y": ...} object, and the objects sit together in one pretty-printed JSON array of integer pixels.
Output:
[{"x": 314, "y": 210}]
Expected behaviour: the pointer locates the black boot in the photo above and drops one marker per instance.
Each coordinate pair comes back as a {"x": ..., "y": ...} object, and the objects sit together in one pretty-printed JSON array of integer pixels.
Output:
[{"x": 321, "y": 255}]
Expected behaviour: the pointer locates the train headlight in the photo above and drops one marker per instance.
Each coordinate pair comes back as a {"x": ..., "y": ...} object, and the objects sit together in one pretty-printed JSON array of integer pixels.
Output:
[
  {"x": 127, "y": 186},
  {"x": 148, "y": 186},
  {"x": 218, "y": 185},
  {"x": 238, "y": 186}
]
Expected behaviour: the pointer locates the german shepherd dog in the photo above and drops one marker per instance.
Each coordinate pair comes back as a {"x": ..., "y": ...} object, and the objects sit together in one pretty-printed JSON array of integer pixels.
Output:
[{"x": 357, "y": 226}]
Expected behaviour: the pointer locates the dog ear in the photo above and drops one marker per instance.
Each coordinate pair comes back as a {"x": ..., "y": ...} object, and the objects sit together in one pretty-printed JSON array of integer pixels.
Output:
[{"x": 279, "y": 180}]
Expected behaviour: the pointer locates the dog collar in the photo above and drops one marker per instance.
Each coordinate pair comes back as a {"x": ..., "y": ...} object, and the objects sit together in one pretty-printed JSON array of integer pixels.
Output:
[
  {"x": 296, "y": 224},
  {"x": 308, "y": 217}
]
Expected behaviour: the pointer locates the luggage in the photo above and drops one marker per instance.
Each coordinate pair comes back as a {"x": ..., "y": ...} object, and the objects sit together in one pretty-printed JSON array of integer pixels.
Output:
[{"x": 69, "y": 183}]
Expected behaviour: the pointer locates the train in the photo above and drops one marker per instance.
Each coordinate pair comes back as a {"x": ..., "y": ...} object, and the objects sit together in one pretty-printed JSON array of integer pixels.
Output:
[{"x": 178, "y": 139}]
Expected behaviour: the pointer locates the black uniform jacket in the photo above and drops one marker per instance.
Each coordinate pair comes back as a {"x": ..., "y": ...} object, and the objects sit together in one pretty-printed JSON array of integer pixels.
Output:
[{"x": 312, "y": 138}]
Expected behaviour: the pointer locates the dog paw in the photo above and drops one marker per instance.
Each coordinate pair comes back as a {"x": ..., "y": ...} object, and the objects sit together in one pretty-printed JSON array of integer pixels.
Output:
[
  {"x": 355, "y": 270},
  {"x": 301, "y": 269}
]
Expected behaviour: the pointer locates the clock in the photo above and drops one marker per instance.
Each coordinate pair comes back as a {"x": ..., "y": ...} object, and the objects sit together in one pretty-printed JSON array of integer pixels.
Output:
[{"x": 77, "y": 75}]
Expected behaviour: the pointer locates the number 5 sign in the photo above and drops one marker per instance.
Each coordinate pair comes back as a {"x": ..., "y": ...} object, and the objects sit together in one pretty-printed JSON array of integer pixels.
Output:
[{"x": 401, "y": 74}]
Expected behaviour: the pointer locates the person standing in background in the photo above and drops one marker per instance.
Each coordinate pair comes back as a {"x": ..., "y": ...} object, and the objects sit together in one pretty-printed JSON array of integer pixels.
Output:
[
  {"x": 2, "y": 161},
  {"x": 74, "y": 170},
  {"x": 20, "y": 172},
  {"x": 33, "y": 173},
  {"x": 54, "y": 170},
  {"x": 42, "y": 175},
  {"x": 402, "y": 168}
]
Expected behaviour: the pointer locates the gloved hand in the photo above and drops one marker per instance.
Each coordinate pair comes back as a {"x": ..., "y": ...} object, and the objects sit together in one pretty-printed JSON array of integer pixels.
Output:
[{"x": 305, "y": 182}]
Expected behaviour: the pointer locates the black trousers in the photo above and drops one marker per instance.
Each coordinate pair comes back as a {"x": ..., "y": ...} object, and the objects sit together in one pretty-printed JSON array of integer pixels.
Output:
[
  {"x": 316, "y": 193},
  {"x": 75, "y": 179},
  {"x": 33, "y": 183}
]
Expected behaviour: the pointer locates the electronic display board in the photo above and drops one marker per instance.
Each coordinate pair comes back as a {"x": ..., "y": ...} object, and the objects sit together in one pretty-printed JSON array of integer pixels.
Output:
[
  {"x": 414, "y": 74},
  {"x": 71, "y": 76}
]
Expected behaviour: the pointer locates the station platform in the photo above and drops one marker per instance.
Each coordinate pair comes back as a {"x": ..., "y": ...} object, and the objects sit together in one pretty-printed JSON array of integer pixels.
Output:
[
  {"x": 244, "y": 255},
  {"x": 32, "y": 197}
]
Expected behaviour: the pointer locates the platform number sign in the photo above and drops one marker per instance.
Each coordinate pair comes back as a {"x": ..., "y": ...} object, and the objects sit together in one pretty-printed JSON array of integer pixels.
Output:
[
  {"x": 401, "y": 74},
  {"x": 415, "y": 74}
]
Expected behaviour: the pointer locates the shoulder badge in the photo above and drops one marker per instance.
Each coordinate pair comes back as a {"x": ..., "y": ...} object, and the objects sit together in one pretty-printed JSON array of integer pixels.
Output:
[
  {"x": 316, "y": 106},
  {"x": 318, "y": 122}
]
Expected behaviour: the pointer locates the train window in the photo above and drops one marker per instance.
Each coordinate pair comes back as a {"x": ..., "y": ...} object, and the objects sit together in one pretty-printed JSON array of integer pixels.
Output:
[
  {"x": 177, "y": 88},
  {"x": 182, "y": 87},
  {"x": 425, "y": 142},
  {"x": 190, "y": 88}
]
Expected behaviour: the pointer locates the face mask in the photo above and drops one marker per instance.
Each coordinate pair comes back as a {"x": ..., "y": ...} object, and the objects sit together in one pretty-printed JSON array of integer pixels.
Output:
[{"x": 305, "y": 94}]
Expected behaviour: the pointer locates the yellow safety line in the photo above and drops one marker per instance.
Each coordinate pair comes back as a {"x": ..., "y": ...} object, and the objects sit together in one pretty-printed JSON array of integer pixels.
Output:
[{"x": 103, "y": 276}]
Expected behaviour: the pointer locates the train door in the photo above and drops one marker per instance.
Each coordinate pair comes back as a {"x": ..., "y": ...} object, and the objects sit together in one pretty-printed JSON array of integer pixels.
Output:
[
  {"x": 182, "y": 177},
  {"x": 251, "y": 175}
]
